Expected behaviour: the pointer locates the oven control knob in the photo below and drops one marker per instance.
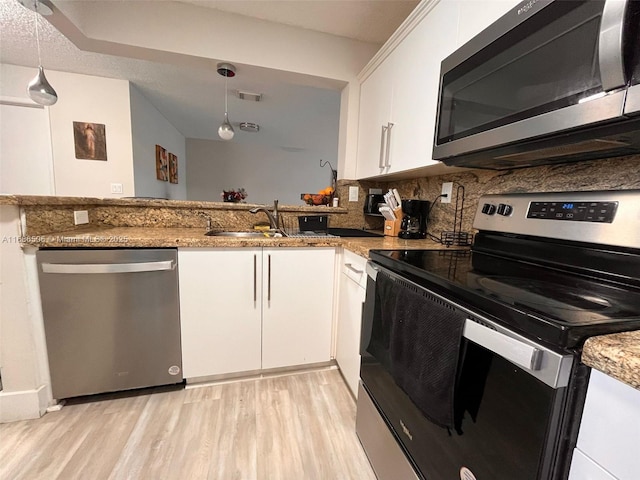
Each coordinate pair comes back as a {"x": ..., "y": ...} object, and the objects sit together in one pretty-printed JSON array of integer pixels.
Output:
[
  {"x": 504, "y": 209},
  {"x": 488, "y": 209}
]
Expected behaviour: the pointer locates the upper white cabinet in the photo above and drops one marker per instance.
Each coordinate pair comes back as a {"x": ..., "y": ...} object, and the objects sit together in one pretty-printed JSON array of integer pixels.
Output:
[
  {"x": 248, "y": 309},
  {"x": 398, "y": 100}
]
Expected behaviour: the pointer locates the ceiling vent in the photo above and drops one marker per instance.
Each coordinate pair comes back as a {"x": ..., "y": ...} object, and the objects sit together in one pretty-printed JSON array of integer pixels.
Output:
[
  {"x": 249, "y": 127},
  {"x": 256, "y": 97}
]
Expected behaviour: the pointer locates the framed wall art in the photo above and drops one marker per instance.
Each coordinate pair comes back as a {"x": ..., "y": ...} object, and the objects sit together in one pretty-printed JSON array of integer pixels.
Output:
[
  {"x": 173, "y": 168},
  {"x": 162, "y": 170},
  {"x": 90, "y": 141}
]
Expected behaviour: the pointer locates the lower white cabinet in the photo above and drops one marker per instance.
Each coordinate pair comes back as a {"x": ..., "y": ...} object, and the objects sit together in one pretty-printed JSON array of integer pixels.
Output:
[
  {"x": 353, "y": 283},
  {"x": 246, "y": 309},
  {"x": 609, "y": 438}
]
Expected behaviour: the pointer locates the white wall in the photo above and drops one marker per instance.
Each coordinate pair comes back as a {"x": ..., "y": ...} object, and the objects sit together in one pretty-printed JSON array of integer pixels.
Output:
[
  {"x": 150, "y": 128},
  {"x": 25, "y": 376},
  {"x": 84, "y": 98},
  {"x": 266, "y": 173}
]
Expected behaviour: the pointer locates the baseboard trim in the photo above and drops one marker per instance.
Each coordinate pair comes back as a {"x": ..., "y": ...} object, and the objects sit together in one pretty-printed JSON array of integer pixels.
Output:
[{"x": 23, "y": 405}]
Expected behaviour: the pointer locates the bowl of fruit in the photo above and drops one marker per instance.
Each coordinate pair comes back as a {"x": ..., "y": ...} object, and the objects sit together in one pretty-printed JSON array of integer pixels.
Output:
[{"x": 323, "y": 197}]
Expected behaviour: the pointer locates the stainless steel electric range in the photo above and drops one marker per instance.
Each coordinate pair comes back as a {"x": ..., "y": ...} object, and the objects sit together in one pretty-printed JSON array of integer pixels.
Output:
[{"x": 471, "y": 359}]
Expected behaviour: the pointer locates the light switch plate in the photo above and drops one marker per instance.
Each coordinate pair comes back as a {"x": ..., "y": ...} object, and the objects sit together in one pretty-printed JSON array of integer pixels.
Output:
[
  {"x": 353, "y": 193},
  {"x": 116, "y": 188},
  {"x": 80, "y": 217}
]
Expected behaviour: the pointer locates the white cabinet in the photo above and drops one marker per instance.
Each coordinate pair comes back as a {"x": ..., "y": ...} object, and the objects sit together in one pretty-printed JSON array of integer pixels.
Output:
[
  {"x": 248, "y": 309},
  {"x": 376, "y": 94},
  {"x": 220, "y": 310},
  {"x": 398, "y": 100},
  {"x": 297, "y": 295},
  {"x": 353, "y": 282},
  {"x": 609, "y": 437}
]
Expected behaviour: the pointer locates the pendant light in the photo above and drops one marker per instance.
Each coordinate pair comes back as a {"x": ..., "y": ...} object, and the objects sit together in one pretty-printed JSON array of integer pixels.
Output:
[
  {"x": 225, "y": 131},
  {"x": 39, "y": 88}
]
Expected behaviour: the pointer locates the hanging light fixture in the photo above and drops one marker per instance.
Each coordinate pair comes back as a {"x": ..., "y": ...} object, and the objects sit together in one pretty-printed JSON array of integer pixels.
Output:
[
  {"x": 39, "y": 88},
  {"x": 225, "y": 131}
]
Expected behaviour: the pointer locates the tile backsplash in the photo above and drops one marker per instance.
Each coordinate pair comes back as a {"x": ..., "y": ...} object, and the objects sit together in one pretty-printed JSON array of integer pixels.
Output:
[{"x": 622, "y": 173}]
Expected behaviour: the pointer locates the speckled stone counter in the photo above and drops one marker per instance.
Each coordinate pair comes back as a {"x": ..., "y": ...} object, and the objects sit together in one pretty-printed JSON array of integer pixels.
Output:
[
  {"x": 134, "y": 237},
  {"x": 617, "y": 355}
]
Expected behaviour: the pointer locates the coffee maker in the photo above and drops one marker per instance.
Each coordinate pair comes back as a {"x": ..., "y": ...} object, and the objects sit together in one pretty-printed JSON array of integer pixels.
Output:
[{"x": 414, "y": 221}]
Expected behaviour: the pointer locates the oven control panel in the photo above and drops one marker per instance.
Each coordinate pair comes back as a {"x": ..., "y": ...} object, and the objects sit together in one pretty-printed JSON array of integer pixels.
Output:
[
  {"x": 604, "y": 217},
  {"x": 574, "y": 211}
]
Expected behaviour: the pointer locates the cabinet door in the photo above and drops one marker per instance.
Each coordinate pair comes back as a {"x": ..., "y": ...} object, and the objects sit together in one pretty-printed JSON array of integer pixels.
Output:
[
  {"x": 220, "y": 304},
  {"x": 375, "y": 112},
  {"x": 297, "y": 306},
  {"x": 351, "y": 297},
  {"x": 415, "y": 88}
]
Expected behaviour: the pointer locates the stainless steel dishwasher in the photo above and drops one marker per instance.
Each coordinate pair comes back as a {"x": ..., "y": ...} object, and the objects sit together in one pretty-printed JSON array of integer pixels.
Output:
[{"x": 111, "y": 318}]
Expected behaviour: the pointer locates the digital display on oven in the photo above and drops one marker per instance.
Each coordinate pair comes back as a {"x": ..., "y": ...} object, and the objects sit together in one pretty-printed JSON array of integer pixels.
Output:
[{"x": 599, "y": 212}]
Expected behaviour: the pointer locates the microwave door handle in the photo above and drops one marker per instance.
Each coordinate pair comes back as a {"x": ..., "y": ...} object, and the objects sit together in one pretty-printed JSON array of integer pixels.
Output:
[
  {"x": 610, "y": 45},
  {"x": 512, "y": 349},
  {"x": 383, "y": 142}
]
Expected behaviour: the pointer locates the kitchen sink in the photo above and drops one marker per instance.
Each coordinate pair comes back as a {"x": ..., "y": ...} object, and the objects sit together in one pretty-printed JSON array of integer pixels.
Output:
[{"x": 251, "y": 234}]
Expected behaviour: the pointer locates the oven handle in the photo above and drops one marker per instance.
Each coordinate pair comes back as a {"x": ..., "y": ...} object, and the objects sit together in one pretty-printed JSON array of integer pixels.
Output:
[{"x": 512, "y": 349}]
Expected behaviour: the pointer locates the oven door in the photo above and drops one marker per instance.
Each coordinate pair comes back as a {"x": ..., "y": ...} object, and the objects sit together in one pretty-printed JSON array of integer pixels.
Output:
[
  {"x": 505, "y": 85},
  {"x": 510, "y": 401}
]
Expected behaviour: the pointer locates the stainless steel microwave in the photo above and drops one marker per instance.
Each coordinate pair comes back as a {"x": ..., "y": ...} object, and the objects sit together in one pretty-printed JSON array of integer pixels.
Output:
[{"x": 552, "y": 81}]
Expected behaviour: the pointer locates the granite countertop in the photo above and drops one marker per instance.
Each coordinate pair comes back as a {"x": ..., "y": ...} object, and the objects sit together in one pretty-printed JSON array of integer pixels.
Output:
[
  {"x": 617, "y": 355},
  {"x": 41, "y": 200},
  {"x": 195, "y": 237}
]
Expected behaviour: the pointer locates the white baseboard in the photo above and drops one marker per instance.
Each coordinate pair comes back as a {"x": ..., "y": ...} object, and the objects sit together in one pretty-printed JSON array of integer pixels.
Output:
[{"x": 23, "y": 405}]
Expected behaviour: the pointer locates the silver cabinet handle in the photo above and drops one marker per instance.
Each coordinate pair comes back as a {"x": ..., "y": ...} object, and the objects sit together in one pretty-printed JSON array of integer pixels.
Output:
[
  {"x": 88, "y": 268},
  {"x": 512, "y": 349},
  {"x": 269, "y": 279},
  {"x": 255, "y": 279},
  {"x": 387, "y": 161},
  {"x": 383, "y": 138},
  {"x": 353, "y": 269},
  {"x": 610, "y": 45}
]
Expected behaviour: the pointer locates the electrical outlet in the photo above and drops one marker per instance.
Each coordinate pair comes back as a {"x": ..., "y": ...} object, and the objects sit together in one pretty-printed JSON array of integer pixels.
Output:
[
  {"x": 80, "y": 217},
  {"x": 447, "y": 189},
  {"x": 116, "y": 188},
  {"x": 353, "y": 193}
]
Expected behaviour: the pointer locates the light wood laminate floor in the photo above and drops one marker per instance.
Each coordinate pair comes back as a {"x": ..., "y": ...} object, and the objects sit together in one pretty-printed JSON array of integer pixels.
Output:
[{"x": 290, "y": 427}]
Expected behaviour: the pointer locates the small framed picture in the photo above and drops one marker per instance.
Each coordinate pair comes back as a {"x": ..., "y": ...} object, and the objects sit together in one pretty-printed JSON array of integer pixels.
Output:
[
  {"x": 173, "y": 168},
  {"x": 90, "y": 141},
  {"x": 162, "y": 170}
]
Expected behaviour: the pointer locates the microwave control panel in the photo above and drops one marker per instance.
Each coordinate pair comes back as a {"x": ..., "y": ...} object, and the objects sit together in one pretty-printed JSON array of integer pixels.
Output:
[{"x": 601, "y": 212}]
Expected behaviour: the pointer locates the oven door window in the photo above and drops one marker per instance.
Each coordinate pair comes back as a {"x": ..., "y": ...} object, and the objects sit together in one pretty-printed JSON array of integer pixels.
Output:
[{"x": 520, "y": 76}]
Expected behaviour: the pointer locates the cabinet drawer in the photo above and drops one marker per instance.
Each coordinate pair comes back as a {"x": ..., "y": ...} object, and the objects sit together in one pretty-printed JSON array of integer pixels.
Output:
[{"x": 353, "y": 266}]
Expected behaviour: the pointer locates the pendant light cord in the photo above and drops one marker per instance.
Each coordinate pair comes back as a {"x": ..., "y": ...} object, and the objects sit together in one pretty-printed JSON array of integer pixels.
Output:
[
  {"x": 35, "y": 12},
  {"x": 226, "y": 77}
]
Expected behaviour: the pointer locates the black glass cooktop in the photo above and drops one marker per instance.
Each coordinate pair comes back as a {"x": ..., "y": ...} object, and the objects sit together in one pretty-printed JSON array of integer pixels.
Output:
[{"x": 555, "y": 307}]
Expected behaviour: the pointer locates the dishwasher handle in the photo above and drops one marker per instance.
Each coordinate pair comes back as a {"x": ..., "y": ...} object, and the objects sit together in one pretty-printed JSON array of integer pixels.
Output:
[{"x": 91, "y": 268}]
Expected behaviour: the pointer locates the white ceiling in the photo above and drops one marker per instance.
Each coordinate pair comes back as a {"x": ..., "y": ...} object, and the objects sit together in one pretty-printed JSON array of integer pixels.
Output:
[
  {"x": 188, "y": 96},
  {"x": 367, "y": 20}
]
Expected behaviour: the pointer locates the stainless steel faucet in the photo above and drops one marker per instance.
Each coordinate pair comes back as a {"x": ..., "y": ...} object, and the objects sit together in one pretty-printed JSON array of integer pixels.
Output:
[{"x": 274, "y": 217}]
